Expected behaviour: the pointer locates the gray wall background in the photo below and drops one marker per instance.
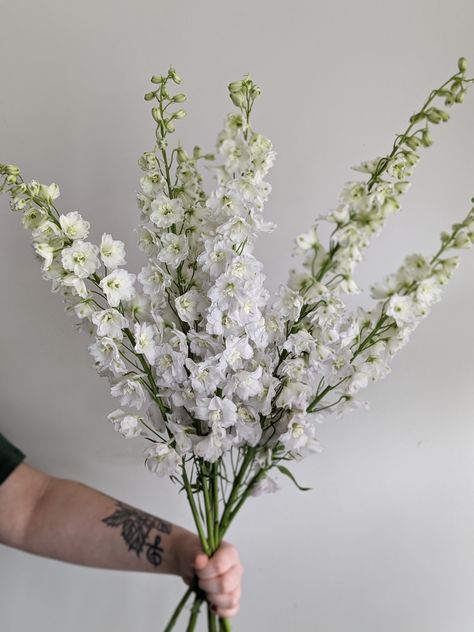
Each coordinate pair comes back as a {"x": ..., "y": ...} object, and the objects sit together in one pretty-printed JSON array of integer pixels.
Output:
[{"x": 385, "y": 540}]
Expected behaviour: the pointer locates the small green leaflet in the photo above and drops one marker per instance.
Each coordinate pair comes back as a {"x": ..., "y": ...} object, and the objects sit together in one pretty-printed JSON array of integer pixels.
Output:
[{"x": 284, "y": 470}]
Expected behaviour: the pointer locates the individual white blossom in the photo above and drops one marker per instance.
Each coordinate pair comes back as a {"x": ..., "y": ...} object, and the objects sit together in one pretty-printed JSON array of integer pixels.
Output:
[
  {"x": 109, "y": 322},
  {"x": 112, "y": 252},
  {"x": 174, "y": 249},
  {"x": 81, "y": 258},
  {"x": 118, "y": 286},
  {"x": 130, "y": 391},
  {"x": 190, "y": 305},
  {"x": 107, "y": 356},
  {"x": 145, "y": 341},
  {"x": 127, "y": 425},
  {"x": 74, "y": 226},
  {"x": 162, "y": 460},
  {"x": 166, "y": 212}
]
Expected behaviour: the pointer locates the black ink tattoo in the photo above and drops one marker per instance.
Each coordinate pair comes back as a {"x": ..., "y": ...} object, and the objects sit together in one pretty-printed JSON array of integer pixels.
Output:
[{"x": 136, "y": 527}]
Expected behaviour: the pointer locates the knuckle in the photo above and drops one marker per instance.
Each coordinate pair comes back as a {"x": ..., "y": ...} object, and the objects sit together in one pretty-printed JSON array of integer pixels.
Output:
[
  {"x": 231, "y": 612},
  {"x": 220, "y": 566},
  {"x": 226, "y": 584}
]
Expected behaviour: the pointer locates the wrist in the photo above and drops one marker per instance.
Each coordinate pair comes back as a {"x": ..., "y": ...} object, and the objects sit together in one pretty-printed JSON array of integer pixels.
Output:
[{"x": 186, "y": 545}]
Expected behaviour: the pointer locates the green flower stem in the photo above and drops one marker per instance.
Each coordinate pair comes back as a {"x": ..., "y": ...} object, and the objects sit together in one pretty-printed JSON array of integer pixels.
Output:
[
  {"x": 253, "y": 481},
  {"x": 194, "y": 612},
  {"x": 211, "y": 619},
  {"x": 210, "y": 491},
  {"x": 197, "y": 520},
  {"x": 215, "y": 497},
  {"x": 162, "y": 148},
  {"x": 235, "y": 489},
  {"x": 224, "y": 625},
  {"x": 208, "y": 508},
  {"x": 177, "y": 612}
]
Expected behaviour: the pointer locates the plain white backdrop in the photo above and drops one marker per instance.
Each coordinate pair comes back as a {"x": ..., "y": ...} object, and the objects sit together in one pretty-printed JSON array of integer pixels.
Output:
[{"x": 385, "y": 541}]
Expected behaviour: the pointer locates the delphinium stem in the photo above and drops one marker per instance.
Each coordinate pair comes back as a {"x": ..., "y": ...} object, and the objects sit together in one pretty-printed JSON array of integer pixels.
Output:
[
  {"x": 179, "y": 607},
  {"x": 194, "y": 613}
]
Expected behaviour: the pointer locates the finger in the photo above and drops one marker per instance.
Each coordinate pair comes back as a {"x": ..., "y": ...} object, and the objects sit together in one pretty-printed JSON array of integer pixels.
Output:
[
  {"x": 223, "y": 583},
  {"x": 200, "y": 562},
  {"x": 225, "y": 601},
  {"x": 227, "y": 613},
  {"x": 220, "y": 562}
]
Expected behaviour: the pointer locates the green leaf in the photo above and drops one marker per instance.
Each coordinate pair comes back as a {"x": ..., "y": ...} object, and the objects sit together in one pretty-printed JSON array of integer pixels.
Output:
[{"x": 284, "y": 470}]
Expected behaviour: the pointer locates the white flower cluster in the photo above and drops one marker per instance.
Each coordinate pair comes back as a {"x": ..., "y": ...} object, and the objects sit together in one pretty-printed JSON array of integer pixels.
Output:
[{"x": 200, "y": 357}]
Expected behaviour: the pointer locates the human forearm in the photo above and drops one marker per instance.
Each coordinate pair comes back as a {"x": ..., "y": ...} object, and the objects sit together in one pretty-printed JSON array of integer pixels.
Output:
[{"x": 74, "y": 523}]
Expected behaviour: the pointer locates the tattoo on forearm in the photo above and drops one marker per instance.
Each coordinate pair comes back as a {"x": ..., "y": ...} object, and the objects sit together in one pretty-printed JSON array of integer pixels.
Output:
[{"x": 137, "y": 527}]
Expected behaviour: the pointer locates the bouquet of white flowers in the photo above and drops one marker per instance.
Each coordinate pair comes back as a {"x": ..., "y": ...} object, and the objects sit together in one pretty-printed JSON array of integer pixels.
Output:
[{"x": 224, "y": 382}]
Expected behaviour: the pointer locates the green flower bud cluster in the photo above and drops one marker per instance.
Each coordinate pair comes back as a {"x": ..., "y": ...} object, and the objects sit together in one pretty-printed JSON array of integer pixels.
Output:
[
  {"x": 182, "y": 156},
  {"x": 406, "y": 144},
  {"x": 161, "y": 115},
  {"x": 243, "y": 94},
  {"x": 462, "y": 234},
  {"x": 11, "y": 174}
]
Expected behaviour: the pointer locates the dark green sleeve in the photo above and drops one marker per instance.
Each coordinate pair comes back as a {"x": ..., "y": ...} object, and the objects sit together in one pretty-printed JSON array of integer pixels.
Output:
[{"x": 10, "y": 457}]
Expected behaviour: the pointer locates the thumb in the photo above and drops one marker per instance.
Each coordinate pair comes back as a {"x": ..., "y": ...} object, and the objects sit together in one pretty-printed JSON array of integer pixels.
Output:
[{"x": 200, "y": 561}]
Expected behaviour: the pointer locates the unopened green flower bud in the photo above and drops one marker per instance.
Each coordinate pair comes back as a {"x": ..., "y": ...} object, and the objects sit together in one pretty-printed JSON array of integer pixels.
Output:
[
  {"x": 433, "y": 115},
  {"x": 181, "y": 155},
  {"x": 11, "y": 179},
  {"x": 235, "y": 86},
  {"x": 255, "y": 92},
  {"x": 196, "y": 152},
  {"x": 444, "y": 115},
  {"x": 237, "y": 99},
  {"x": 169, "y": 126},
  {"x": 462, "y": 240},
  {"x": 456, "y": 85},
  {"x": 412, "y": 142},
  {"x": 444, "y": 237},
  {"x": 11, "y": 170},
  {"x": 179, "y": 114},
  {"x": 426, "y": 138},
  {"x": 155, "y": 112},
  {"x": 209, "y": 156},
  {"x": 149, "y": 96},
  {"x": 462, "y": 64},
  {"x": 459, "y": 98},
  {"x": 401, "y": 186},
  {"x": 174, "y": 75},
  {"x": 411, "y": 157},
  {"x": 157, "y": 79},
  {"x": 449, "y": 100},
  {"x": 179, "y": 98}
]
